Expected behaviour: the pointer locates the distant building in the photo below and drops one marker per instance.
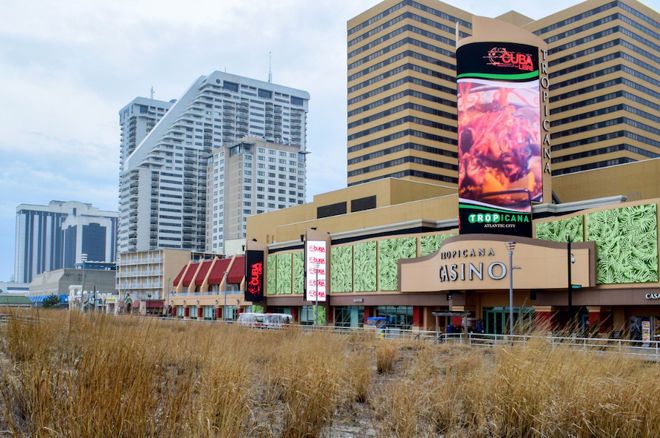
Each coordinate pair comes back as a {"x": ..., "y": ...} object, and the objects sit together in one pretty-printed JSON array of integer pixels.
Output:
[
  {"x": 58, "y": 282},
  {"x": 10, "y": 287},
  {"x": 249, "y": 177},
  {"x": 61, "y": 234},
  {"x": 163, "y": 181},
  {"x": 148, "y": 275}
]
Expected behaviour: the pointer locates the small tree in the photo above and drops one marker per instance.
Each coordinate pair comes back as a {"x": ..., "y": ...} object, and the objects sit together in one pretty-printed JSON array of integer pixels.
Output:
[{"x": 51, "y": 301}]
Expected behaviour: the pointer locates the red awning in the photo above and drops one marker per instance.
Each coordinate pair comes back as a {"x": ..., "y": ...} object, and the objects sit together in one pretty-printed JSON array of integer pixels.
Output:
[
  {"x": 189, "y": 275},
  {"x": 201, "y": 275},
  {"x": 237, "y": 271},
  {"x": 179, "y": 275},
  {"x": 218, "y": 271}
]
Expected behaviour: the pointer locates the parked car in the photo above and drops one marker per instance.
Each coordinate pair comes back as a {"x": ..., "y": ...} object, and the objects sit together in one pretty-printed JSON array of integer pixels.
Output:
[{"x": 264, "y": 320}]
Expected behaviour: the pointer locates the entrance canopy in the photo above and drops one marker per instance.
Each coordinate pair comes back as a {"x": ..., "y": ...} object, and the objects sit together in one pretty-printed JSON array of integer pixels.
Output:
[{"x": 481, "y": 262}]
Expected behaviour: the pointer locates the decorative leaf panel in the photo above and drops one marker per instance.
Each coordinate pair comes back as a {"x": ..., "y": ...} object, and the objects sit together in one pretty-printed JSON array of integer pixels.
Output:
[
  {"x": 389, "y": 253},
  {"x": 284, "y": 273},
  {"x": 558, "y": 230},
  {"x": 298, "y": 272},
  {"x": 626, "y": 244},
  {"x": 341, "y": 269},
  {"x": 431, "y": 243},
  {"x": 271, "y": 274},
  {"x": 364, "y": 266}
]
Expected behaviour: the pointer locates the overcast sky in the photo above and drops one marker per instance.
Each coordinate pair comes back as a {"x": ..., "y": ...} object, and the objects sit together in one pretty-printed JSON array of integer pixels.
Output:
[{"x": 68, "y": 66}]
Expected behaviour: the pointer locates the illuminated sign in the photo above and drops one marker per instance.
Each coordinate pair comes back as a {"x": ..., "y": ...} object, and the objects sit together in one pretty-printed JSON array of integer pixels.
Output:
[
  {"x": 315, "y": 268},
  {"x": 652, "y": 296},
  {"x": 254, "y": 276},
  {"x": 500, "y": 154},
  {"x": 465, "y": 263}
]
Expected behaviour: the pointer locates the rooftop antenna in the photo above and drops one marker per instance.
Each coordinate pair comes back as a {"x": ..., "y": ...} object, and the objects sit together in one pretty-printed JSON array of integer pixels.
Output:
[
  {"x": 270, "y": 70},
  {"x": 152, "y": 91}
]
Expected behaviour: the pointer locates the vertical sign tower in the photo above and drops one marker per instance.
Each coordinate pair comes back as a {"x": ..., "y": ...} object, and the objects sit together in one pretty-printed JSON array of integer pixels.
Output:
[{"x": 503, "y": 167}]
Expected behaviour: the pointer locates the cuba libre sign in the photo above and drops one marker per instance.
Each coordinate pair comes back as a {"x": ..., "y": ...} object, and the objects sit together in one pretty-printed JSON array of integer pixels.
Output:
[{"x": 470, "y": 270}]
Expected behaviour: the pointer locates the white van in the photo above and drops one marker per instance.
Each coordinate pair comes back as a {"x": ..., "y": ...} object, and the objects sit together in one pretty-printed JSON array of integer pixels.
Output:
[{"x": 265, "y": 320}]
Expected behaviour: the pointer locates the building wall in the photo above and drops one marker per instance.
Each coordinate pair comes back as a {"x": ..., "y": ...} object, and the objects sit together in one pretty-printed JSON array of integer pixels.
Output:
[
  {"x": 246, "y": 178},
  {"x": 603, "y": 62},
  {"x": 402, "y": 93},
  {"x": 58, "y": 281}
]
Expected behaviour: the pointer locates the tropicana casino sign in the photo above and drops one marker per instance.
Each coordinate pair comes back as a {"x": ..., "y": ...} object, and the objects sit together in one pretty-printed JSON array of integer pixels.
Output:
[{"x": 481, "y": 262}]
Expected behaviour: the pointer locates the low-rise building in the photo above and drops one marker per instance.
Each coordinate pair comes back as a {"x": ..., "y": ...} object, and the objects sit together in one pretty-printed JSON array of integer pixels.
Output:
[
  {"x": 59, "y": 281},
  {"x": 144, "y": 278},
  {"x": 210, "y": 289}
]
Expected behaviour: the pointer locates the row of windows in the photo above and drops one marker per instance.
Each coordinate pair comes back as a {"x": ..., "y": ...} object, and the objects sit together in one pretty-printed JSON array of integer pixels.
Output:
[
  {"x": 400, "y": 43},
  {"x": 402, "y": 29},
  {"x": 403, "y": 160},
  {"x": 579, "y": 42},
  {"x": 410, "y": 15},
  {"x": 602, "y": 59},
  {"x": 653, "y": 34},
  {"x": 606, "y": 123},
  {"x": 575, "y": 18},
  {"x": 638, "y": 14},
  {"x": 605, "y": 137},
  {"x": 600, "y": 86},
  {"x": 603, "y": 98},
  {"x": 603, "y": 72},
  {"x": 605, "y": 150},
  {"x": 399, "y": 56},
  {"x": 402, "y": 107},
  {"x": 400, "y": 95},
  {"x": 606, "y": 110},
  {"x": 586, "y": 26},
  {"x": 589, "y": 166},
  {"x": 401, "y": 68},
  {"x": 401, "y": 134},
  {"x": 415, "y": 5},
  {"x": 402, "y": 147},
  {"x": 410, "y": 172},
  {"x": 401, "y": 121},
  {"x": 399, "y": 82}
]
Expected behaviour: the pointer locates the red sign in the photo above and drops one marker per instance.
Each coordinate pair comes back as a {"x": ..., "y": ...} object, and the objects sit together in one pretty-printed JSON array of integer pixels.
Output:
[
  {"x": 254, "y": 276},
  {"x": 501, "y": 57}
]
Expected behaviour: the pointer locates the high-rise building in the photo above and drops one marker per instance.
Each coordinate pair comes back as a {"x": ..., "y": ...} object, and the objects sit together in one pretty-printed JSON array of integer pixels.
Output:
[
  {"x": 60, "y": 235},
  {"x": 603, "y": 72},
  {"x": 603, "y": 59},
  {"x": 249, "y": 177},
  {"x": 163, "y": 181},
  {"x": 136, "y": 119}
]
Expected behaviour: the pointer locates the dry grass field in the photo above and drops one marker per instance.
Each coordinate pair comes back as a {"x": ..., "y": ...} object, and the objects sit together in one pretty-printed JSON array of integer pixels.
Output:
[{"x": 73, "y": 375}]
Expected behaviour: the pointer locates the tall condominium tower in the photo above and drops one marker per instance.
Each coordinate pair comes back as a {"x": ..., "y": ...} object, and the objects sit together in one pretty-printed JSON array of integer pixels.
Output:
[
  {"x": 603, "y": 58},
  {"x": 61, "y": 234},
  {"x": 136, "y": 119},
  {"x": 163, "y": 182},
  {"x": 249, "y": 177}
]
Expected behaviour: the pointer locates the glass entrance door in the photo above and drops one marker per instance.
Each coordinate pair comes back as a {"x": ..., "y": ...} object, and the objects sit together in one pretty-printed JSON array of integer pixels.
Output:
[{"x": 496, "y": 319}]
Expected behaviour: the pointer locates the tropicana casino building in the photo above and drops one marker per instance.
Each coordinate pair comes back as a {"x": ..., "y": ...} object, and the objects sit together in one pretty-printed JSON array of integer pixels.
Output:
[{"x": 392, "y": 245}]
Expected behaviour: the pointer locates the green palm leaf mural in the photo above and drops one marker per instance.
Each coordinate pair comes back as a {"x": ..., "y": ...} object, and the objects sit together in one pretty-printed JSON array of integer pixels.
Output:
[
  {"x": 284, "y": 273},
  {"x": 626, "y": 244},
  {"x": 341, "y": 269},
  {"x": 271, "y": 274},
  {"x": 431, "y": 243},
  {"x": 364, "y": 264},
  {"x": 298, "y": 272},
  {"x": 389, "y": 253},
  {"x": 558, "y": 230}
]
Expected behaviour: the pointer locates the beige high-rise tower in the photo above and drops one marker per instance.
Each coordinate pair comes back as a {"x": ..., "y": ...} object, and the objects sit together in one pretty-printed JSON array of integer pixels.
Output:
[{"x": 603, "y": 71}]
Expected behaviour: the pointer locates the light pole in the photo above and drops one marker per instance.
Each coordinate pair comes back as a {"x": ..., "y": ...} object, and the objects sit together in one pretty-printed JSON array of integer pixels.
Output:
[
  {"x": 224, "y": 307},
  {"x": 83, "y": 259},
  {"x": 511, "y": 246}
]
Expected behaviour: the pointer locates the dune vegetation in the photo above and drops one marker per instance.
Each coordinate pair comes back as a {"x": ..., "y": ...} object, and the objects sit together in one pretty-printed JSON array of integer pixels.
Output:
[{"x": 82, "y": 375}]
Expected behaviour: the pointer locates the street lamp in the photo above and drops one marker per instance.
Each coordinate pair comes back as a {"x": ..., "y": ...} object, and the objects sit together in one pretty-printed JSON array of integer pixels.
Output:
[
  {"x": 511, "y": 246},
  {"x": 83, "y": 259}
]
